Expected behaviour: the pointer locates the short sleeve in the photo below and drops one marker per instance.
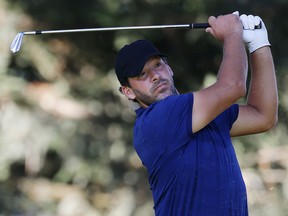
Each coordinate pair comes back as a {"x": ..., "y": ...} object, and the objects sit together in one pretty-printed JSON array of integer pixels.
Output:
[{"x": 233, "y": 114}]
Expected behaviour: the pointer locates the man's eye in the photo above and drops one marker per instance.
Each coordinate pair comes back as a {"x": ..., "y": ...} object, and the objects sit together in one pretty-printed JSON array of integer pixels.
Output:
[
  {"x": 142, "y": 74},
  {"x": 158, "y": 64}
]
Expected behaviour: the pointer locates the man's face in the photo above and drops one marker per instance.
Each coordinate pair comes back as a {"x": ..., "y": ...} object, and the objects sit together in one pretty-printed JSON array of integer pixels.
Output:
[{"x": 154, "y": 83}]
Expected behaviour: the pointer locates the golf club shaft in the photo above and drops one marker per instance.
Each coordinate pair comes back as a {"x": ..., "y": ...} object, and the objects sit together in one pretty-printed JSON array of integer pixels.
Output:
[
  {"x": 189, "y": 26},
  {"x": 16, "y": 43}
]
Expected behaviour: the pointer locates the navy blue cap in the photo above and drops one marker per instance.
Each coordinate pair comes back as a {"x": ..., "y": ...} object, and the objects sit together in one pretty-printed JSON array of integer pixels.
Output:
[{"x": 131, "y": 59}]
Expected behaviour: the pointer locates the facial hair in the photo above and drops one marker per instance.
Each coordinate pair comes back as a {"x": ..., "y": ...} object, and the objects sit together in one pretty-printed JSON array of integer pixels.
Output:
[{"x": 146, "y": 99}]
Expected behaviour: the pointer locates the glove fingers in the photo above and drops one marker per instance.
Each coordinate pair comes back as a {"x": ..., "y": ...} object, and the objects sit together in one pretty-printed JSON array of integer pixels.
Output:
[
  {"x": 251, "y": 22},
  {"x": 244, "y": 20},
  {"x": 257, "y": 20},
  {"x": 248, "y": 35}
]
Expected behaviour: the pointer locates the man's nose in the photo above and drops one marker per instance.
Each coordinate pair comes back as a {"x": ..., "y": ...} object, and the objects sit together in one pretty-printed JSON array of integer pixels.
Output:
[{"x": 155, "y": 75}]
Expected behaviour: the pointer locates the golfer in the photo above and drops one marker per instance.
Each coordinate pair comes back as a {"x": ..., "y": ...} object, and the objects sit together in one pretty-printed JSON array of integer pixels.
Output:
[{"x": 184, "y": 140}]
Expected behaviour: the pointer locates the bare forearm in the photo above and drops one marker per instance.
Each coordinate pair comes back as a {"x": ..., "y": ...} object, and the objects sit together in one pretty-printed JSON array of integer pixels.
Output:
[
  {"x": 263, "y": 95},
  {"x": 233, "y": 70}
]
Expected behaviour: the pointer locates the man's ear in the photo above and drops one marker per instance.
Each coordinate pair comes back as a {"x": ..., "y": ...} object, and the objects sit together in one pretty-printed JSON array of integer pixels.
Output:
[{"x": 127, "y": 92}]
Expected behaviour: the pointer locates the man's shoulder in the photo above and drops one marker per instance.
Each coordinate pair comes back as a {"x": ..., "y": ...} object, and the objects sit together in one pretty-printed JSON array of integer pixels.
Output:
[
  {"x": 166, "y": 104},
  {"x": 176, "y": 100}
]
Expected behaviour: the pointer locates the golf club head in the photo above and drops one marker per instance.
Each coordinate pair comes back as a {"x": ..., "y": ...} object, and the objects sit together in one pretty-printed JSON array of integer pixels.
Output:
[{"x": 16, "y": 43}]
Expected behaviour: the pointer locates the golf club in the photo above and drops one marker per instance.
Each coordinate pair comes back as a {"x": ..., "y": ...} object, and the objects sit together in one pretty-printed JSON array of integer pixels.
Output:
[{"x": 16, "y": 43}]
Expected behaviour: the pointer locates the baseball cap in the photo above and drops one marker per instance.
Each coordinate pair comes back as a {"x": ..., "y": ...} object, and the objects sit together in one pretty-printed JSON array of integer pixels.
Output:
[{"x": 131, "y": 59}]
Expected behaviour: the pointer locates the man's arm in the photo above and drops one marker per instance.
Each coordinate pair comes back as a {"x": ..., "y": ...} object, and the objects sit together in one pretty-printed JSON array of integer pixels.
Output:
[
  {"x": 231, "y": 80},
  {"x": 261, "y": 111}
]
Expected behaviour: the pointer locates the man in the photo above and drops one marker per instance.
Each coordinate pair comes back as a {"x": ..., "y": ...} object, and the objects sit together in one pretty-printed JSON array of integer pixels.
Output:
[{"x": 184, "y": 139}]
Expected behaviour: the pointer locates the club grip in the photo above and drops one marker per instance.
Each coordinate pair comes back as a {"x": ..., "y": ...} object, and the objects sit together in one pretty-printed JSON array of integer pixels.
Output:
[
  {"x": 206, "y": 25},
  {"x": 199, "y": 25}
]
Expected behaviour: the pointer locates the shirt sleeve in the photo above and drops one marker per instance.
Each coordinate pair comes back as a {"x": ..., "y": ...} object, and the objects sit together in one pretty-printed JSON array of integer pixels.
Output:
[{"x": 233, "y": 112}]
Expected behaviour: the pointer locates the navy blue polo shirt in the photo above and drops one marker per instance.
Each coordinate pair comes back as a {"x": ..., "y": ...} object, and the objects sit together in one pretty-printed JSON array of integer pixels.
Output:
[{"x": 190, "y": 174}]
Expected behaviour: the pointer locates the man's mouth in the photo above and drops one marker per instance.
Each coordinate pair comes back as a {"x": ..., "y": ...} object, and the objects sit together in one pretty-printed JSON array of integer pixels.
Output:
[{"x": 159, "y": 86}]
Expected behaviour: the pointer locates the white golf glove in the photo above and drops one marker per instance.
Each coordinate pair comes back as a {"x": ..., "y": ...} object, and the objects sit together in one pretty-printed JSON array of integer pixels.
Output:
[{"x": 254, "y": 38}]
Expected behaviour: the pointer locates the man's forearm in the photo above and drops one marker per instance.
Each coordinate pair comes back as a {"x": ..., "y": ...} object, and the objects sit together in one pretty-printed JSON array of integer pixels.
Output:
[
  {"x": 234, "y": 66},
  {"x": 263, "y": 95}
]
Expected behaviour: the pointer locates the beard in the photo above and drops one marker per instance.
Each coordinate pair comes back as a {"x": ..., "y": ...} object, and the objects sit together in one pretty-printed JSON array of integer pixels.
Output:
[{"x": 143, "y": 98}]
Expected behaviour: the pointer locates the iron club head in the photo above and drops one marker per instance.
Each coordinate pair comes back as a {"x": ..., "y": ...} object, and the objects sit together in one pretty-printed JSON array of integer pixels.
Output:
[{"x": 16, "y": 43}]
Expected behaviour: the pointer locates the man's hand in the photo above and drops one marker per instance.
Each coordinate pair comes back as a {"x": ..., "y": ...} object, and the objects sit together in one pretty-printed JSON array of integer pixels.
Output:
[
  {"x": 254, "y": 38},
  {"x": 225, "y": 26}
]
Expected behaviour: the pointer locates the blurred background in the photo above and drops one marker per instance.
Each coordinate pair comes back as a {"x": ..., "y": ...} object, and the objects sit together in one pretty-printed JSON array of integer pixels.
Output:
[{"x": 66, "y": 132}]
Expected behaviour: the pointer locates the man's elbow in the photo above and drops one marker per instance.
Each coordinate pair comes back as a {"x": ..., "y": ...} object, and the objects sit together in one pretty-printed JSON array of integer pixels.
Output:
[
  {"x": 273, "y": 121},
  {"x": 270, "y": 122},
  {"x": 240, "y": 89}
]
